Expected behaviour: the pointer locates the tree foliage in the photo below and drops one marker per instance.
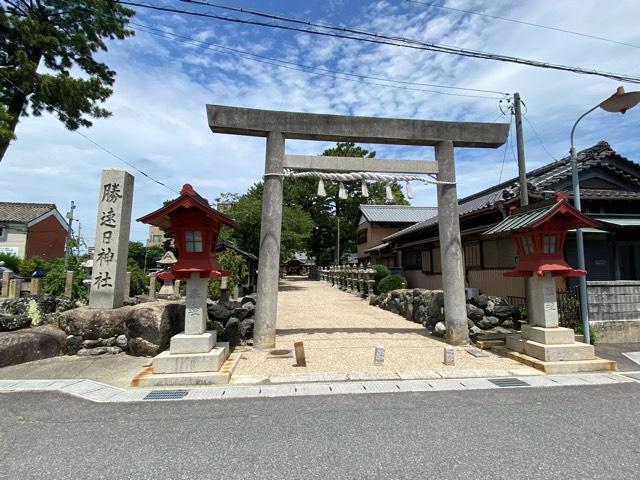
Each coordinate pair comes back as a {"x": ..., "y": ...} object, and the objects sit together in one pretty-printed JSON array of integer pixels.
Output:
[
  {"x": 61, "y": 36},
  {"x": 309, "y": 222}
]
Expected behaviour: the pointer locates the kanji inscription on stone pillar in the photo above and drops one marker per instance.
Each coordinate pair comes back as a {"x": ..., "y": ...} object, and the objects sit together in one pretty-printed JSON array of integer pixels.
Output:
[{"x": 112, "y": 239}]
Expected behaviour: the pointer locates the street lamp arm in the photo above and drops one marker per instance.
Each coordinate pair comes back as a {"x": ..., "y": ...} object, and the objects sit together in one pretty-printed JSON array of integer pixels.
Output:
[{"x": 573, "y": 129}]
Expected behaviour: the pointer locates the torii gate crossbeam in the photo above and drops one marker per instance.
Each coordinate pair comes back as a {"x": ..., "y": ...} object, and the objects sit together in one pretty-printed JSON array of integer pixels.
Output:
[{"x": 277, "y": 126}]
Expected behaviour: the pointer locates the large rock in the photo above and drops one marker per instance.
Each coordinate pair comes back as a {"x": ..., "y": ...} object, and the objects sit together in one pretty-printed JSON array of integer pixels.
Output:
[
  {"x": 92, "y": 324},
  {"x": 9, "y": 323},
  {"x": 31, "y": 344},
  {"x": 74, "y": 344},
  {"x": 440, "y": 328},
  {"x": 232, "y": 332},
  {"x": 488, "y": 322},
  {"x": 480, "y": 301},
  {"x": 218, "y": 313},
  {"x": 474, "y": 313},
  {"x": 246, "y": 328},
  {"x": 503, "y": 311},
  {"x": 150, "y": 326}
]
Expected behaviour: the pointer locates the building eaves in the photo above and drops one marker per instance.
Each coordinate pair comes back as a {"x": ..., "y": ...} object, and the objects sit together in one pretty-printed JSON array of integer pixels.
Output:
[
  {"x": 396, "y": 213},
  {"x": 13, "y": 212}
]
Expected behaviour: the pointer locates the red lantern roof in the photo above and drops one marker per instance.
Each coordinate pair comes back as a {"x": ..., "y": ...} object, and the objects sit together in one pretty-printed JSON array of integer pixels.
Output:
[
  {"x": 188, "y": 199},
  {"x": 539, "y": 232}
]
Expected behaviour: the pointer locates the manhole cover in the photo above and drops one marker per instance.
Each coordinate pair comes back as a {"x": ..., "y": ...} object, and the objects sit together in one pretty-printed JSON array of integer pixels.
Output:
[
  {"x": 166, "y": 394},
  {"x": 280, "y": 352},
  {"x": 509, "y": 382}
]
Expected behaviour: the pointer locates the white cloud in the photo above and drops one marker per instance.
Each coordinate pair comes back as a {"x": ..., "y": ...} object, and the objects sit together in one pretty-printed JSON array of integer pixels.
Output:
[{"x": 159, "y": 121}]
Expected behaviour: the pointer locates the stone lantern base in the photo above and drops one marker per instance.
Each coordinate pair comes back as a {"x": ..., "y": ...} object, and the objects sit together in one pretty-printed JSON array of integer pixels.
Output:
[
  {"x": 194, "y": 357},
  {"x": 546, "y": 346}
]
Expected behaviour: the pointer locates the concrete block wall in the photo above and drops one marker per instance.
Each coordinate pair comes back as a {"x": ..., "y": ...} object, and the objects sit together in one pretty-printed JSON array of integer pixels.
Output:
[{"x": 614, "y": 310}]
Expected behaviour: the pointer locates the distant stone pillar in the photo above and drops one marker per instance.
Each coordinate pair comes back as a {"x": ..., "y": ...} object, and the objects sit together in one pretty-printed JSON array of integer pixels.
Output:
[
  {"x": 68, "y": 284},
  {"x": 224, "y": 289},
  {"x": 452, "y": 261},
  {"x": 36, "y": 286},
  {"x": 15, "y": 285},
  {"x": 127, "y": 285},
  {"x": 112, "y": 239},
  {"x": 6, "y": 279},
  {"x": 176, "y": 287},
  {"x": 152, "y": 287}
]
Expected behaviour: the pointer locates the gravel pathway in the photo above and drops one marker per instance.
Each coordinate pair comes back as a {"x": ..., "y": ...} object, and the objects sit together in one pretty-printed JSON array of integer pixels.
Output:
[{"x": 340, "y": 332}]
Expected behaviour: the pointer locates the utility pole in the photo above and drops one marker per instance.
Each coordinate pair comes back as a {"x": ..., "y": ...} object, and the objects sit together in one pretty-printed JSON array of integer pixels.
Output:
[
  {"x": 522, "y": 171},
  {"x": 69, "y": 234}
]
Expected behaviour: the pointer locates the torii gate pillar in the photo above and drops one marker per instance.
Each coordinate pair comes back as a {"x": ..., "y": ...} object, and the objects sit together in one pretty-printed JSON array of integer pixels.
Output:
[{"x": 276, "y": 126}]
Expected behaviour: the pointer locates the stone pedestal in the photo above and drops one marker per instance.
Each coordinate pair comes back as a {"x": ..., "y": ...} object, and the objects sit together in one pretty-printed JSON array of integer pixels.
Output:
[
  {"x": 193, "y": 357},
  {"x": 546, "y": 346},
  {"x": 36, "y": 286},
  {"x": 167, "y": 290}
]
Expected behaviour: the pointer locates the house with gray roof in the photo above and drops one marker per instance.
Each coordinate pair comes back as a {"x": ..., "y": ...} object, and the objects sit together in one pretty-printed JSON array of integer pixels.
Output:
[
  {"x": 610, "y": 194},
  {"x": 374, "y": 222},
  {"x": 32, "y": 229}
]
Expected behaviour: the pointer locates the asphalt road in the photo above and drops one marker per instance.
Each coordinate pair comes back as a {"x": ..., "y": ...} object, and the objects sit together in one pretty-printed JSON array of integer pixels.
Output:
[{"x": 563, "y": 433}]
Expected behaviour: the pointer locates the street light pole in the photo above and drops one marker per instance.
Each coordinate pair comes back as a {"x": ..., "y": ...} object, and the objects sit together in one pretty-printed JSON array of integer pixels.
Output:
[{"x": 618, "y": 102}]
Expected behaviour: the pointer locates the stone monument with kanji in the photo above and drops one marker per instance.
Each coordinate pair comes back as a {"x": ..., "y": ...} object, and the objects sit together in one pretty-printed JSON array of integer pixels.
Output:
[{"x": 112, "y": 239}]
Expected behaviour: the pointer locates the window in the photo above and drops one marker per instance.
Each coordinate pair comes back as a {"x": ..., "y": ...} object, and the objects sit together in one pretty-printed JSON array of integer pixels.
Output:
[
  {"x": 527, "y": 245},
  {"x": 156, "y": 238},
  {"x": 412, "y": 260},
  {"x": 426, "y": 261},
  {"x": 549, "y": 244},
  {"x": 193, "y": 241},
  {"x": 472, "y": 255},
  {"x": 2, "y": 234},
  {"x": 362, "y": 236}
]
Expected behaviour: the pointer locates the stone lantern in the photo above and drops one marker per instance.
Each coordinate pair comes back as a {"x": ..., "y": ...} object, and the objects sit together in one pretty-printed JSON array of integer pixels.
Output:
[
  {"x": 195, "y": 226},
  {"x": 539, "y": 231}
]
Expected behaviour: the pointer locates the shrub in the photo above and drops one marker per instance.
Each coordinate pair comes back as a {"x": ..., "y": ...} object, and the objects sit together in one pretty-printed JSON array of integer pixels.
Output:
[
  {"x": 391, "y": 282},
  {"x": 56, "y": 276},
  {"x": 10, "y": 261},
  {"x": 233, "y": 263},
  {"x": 381, "y": 272},
  {"x": 139, "y": 281},
  {"x": 30, "y": 265}
]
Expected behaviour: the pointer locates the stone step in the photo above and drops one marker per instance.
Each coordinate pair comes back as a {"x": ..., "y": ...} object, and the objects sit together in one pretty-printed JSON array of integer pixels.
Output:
[
  {"x": 572, "y": 366},
  {"x": 548, "y": 336},
  {"x": 168, "y": 362},
  {"x": 559, "y": 353}
]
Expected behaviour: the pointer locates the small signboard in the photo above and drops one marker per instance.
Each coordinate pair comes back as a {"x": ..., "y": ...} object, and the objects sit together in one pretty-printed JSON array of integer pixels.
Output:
[{"x": 10, "y": 250}]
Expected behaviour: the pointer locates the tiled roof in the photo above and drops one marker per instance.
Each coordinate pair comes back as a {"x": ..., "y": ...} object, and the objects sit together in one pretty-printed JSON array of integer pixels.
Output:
[
  {"x": 23, "y": 212},
  {"x": 544, "y": 178},
  {"x": 521, "y": 220},
  {"x": 396, "y": 213}
]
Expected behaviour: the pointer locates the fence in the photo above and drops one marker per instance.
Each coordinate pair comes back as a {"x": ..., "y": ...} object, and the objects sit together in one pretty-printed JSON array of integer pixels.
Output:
[{"x": 568, "y": 306}]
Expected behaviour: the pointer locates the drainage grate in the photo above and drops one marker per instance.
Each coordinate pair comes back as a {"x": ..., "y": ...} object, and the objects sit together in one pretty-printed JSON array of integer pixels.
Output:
[
  {"x": 509, "y": 382},
  {"x": 165, "y": 394}
]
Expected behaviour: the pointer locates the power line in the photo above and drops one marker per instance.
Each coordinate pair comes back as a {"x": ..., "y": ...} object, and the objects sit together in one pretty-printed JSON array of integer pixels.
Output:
[
  {"x": 304, "y": 68},
  {"x": 509, "y": 140},
  {"x": 89, "y": 139},
  {"x": 539, "y": 139},
  {"x": 372, "y": 37},
  {"x": 531, "y": 24}
]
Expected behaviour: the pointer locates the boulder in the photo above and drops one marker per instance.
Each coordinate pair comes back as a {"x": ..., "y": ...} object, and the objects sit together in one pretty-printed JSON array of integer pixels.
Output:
[
  {"x": 154, "y": 323},
  {"x": 218, "y": 313},
  {"x": 90, "y": 343},
  {"x": 122, "y": 342},
  {"x": 74, "y": 344},
  {"x": 249, "y": 298},
  {"x": 107, "y": 342},
  {"x": 9, "y": 323},
  {"x": 474, "y": 313},
  {"x": 480, "y": 301},
  {"x": 231, "y": 304},
  {"x": 440, "y": 328},
  {"x": 86, "y": 352},
  {"x": 219, "y": 328},
  {"x": 232, "y": 332},
  {"x": 92, "y": 324},
  {"x": 139, "y": 347},
  {"x": 239, "y": 313},
  {"x": 250, "y": 308},
  {"x": 488, "y": 322},
  {"x": 31, "y": 344},
  {"x": 503, "y": 311},
  {"x": 246, "y": 328}
]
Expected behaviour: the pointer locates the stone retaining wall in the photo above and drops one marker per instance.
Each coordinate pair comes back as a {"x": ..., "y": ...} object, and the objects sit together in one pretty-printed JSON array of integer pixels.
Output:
[{"x": 614, "y": 310}]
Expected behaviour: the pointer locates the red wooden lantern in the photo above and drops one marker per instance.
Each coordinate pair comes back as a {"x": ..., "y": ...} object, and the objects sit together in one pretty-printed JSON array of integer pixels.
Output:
[
  {"x": 195, "y": 227},
  {"x": 539, "y": 233}
]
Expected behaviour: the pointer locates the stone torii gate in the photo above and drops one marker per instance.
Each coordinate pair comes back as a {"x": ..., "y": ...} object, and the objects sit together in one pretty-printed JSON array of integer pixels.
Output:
[{"x": 277, "y": 126}]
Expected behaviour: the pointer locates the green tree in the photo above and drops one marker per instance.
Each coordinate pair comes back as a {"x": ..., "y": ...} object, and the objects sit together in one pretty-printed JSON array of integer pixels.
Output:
[
  {"x": 55, "y": 279},
  {"x": 47, "y": 60},
  {"x": 309, "y": 222},
  {"x": 10, "y": 261},
  {"x": 235, "y": 265}
]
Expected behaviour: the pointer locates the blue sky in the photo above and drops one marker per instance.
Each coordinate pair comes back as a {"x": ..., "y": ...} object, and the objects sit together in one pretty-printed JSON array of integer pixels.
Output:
[{"x": 162, "y": 86}]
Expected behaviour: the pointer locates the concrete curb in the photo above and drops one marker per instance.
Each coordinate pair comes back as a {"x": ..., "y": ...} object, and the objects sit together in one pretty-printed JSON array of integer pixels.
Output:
[{"x": 101, "y": 393}]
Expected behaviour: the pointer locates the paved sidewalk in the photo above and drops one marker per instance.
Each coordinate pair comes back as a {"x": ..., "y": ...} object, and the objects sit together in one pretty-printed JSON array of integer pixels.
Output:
[
  {"x": 340, "y": 332},
  {"x": 99, "y": 392}
]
